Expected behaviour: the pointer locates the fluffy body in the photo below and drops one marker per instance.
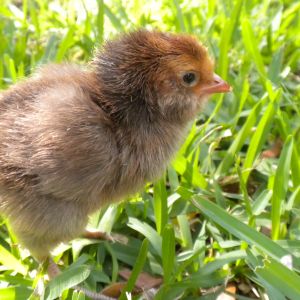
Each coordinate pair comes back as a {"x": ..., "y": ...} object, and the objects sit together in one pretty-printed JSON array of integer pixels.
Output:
[{"x": 73, "y": 139}]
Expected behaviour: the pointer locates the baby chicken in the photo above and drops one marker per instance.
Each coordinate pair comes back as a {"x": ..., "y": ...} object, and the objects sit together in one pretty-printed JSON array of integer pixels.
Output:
[{"x": 73, "y": 139}]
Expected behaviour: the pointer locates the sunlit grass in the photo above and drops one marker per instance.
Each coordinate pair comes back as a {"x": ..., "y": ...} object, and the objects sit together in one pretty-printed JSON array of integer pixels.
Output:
[{"x": 224, "y": 212}]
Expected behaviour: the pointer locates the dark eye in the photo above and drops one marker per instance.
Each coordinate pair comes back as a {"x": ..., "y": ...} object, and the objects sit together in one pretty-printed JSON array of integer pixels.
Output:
[{"x": 189, "y": 78}]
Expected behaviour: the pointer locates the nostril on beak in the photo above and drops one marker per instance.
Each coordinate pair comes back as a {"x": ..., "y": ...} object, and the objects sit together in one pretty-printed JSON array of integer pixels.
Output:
[
  {"x": 218, "y": 85},
  {"x": 217, "y": 79}
]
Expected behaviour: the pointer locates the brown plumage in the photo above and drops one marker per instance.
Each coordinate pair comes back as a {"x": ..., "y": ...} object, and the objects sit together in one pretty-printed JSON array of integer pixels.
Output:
[{"x": 73, "y": 139}]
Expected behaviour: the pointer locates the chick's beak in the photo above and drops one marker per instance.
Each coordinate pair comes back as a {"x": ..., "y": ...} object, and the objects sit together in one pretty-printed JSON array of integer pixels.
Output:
[{"x": 218, "y": 86}]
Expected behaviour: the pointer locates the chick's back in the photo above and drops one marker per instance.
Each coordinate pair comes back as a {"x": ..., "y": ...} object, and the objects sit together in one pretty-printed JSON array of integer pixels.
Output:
[{"x": 55, "y": 145}]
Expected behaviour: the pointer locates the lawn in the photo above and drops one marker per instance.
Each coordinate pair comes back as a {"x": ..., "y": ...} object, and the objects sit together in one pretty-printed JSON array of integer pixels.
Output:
[{"x": 225, "y": 218}]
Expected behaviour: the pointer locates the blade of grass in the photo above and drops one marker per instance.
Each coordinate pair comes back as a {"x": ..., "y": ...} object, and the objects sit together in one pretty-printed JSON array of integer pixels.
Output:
[
  {"x": 17, "y": 292},
  {"x": 11, "y": 262},
  {"x": 160, "y": 204},
  {"x": 115, "y": 265},
  {"x": 65, "y": 280},
  {"x": 140, "y": 261},
  {"x": 246, "y": 197},
  {"x": 260, "y": 135},
  {"x": 65, "y": 44},
  {"x": 244, "y": 94},
  {"x": 276, "y": 66},
  {"x": 180, "y": 18},
  {"x": 146, "y": 230},
  {"x": 168, "y": 252},
  {"x": 173, "y": 178},
  {"x": 197, "y": 178},
  {"x": 185, "y": 233},
  {"x": 34, "y": 17},
  {"x": 226, "y": 36},
  {"x": 251, "y": 45},
  {"x": 10, "y": 66},
  {"x": 239, "y": 140},
  {"x": 100, "y": 21},
  {"x": 261, "y": 202},
  {"x": 174, "y": 290},
  {"x": 108, "y": 219},
  {"x": 239, "y": 229},
  {"x": 50, "y": 50},
  {"x": 278, "y": 276},
  {"x": 295, "y": 167},
  {"x": 281, "y": 185},
  {"x": 221, "y": 261},
  {"x": 113, "y": 19}
]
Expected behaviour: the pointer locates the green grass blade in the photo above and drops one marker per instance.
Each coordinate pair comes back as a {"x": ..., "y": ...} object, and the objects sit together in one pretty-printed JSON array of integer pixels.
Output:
[
  {"x": 78, "y": 296},
  {"x": 295, "y": 166},
  {"x": 278, "y": 276},
  {"x": 140, "y": 261},
  {"x": 244, "y": 190},
  {"x": 16, "y": 280},
  {"x": 10, "y": 66},
  {"x": 11, "y": 262},
  {"x": 226, "y": 36},
  {"x": 173, "y": 178},
  {"x": 146, "y": 230},
  {"x": 260, "y": 135},
  {"x": 168, "y": 252},
  {"x": 281, "y": 185},
  {"x": 115, "y": 264},
  {"x": 239, "y": 140},
  {"x": 261, "y": 202},
  {"x": 50, "y": 50},
  {"x": 251, "y": 45},
  {"x": 185, "y": 231},
  {"x": 65, "y": 44},
  {"x": 174, "y": 290},
  {"x": 188, "y": 170},
  {"x": 108, "y": 219},
  {"x": 65, "y": 280},
  {"x": 221, "y": 261},
  {"x": 239, "y": 229},
  {"x": 160, "y": 204},
  {"x": 113, "y": 19},
  {"x": 100, "y": 21},
  {"x": 34, "y": 17},
  {"x": 17, "y": 293},
  {"x": 276, "y": 66},
  {"x": 244, "y": 94},
  {"x": 180, "y": 18}
]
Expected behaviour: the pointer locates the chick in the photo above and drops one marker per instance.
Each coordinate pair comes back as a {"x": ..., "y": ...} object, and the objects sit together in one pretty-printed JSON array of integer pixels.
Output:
[{"x": 73, "y": 139}]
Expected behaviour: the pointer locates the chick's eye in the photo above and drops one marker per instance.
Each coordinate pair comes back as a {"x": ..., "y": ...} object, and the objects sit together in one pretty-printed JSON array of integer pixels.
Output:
[{"x": 189, "y": 78}]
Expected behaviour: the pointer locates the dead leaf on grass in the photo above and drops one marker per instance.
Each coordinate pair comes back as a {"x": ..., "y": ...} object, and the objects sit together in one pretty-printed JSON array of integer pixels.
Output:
[{"x": 144, "y": 281}]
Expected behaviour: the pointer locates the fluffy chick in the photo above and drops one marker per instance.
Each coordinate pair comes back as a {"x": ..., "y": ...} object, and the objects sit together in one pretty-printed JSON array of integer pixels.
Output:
[{"x": 73, "y": 139}]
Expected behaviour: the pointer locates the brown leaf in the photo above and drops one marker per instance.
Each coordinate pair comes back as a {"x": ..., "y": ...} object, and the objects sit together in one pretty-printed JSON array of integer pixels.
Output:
[
  {"x": 274, "y": 151},
  {"x": 231, "y": 288},
  {"x": 114, "y": 290},
  {"x": 266, "y": 231},
  {"x": 144, "y": 281},
  {"x": 230, "y": 184}
]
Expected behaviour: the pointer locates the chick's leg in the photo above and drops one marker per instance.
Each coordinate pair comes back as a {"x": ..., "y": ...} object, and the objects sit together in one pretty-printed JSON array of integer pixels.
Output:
[
  {"x": 98, "y": 235},
  {"x": 52, "y": 269}
]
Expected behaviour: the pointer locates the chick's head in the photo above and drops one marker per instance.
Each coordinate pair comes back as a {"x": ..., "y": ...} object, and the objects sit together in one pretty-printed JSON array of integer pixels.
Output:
[{"x": 167, "y": 75}]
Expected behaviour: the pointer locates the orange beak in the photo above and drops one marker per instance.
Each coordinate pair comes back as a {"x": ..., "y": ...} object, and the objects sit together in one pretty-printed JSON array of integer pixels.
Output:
[{"x": 218, "y": 86}]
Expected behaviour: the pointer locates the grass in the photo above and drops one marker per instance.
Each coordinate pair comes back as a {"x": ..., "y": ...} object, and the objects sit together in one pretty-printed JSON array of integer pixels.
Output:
[{"x": 225, "y": 217}]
